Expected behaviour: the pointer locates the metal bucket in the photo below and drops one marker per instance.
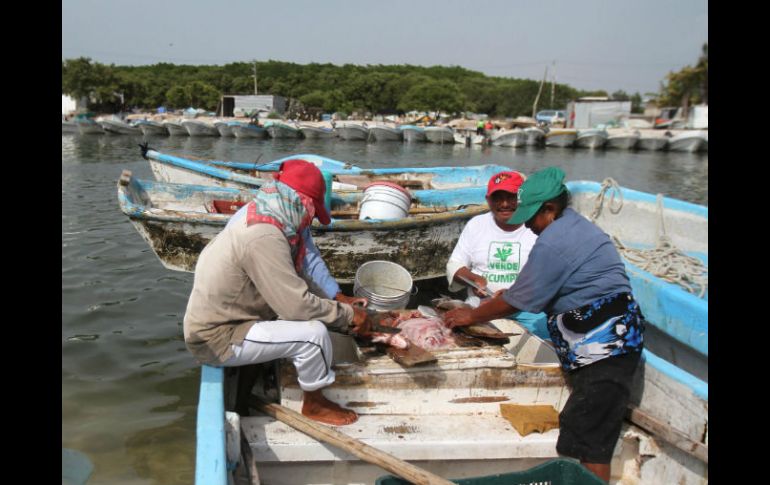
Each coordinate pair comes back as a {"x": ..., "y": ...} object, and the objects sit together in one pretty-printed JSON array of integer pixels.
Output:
[{"x": 387, "y": 286}]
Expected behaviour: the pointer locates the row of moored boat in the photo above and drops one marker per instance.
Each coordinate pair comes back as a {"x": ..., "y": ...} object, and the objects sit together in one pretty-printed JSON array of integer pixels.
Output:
[{"x": 621, "y": 138}]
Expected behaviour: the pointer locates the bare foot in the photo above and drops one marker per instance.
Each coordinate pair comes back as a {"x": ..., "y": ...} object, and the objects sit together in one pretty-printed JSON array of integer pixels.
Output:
[{"x": 316, "y": 407}]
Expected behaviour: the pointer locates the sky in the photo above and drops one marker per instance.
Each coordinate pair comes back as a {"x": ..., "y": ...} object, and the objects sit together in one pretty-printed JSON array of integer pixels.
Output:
[{"x": 588, "y": 44}]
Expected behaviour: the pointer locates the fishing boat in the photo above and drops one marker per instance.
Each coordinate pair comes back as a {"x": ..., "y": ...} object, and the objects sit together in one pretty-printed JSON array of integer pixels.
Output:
[
  {"x": 225, "y": 128},
  {"x": 652, "y": 140},
  {"x": 151, "y": 127},
  {"x": 116, "y": 126},
  {"x": 385, "y": 133},
  {"x": 247, "y": 130},
  {"x": 352, "y": 131},
  {"x": 535, "y": 135},
  {"x": 591, "y": 138},
  {"x": 560, "y": 137},
  {"x": 424, "y": 413},
  {"x": 469, "y": 138},
  {"x": 444, "y": 415},
  {"x": 178, "y": 220},
  {"x": 313, "y": 131},
  {"x": 69, "y": 126},
  {"x": 689, "y": 141},
  {"x": 200, "y": 128},
  {"x": 345, "y": 176},
  {"x": 175, "y": 128},
  {"x": 622, "y": 138},
  {"x": 88, "y": 126},
  {"x": 277, "y": 129},
  {"x": 439, "y": 134},
  {"x": 510, "y": 138},
  {"x": 413, "y": 133}
]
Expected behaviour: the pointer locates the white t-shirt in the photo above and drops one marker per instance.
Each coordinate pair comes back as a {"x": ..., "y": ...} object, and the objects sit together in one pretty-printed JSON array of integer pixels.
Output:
[{"x": 490, "y": 252}]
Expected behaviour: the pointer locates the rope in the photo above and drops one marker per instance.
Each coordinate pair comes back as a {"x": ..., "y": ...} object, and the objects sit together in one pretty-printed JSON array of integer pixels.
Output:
[{"x": 665, "y": 260}]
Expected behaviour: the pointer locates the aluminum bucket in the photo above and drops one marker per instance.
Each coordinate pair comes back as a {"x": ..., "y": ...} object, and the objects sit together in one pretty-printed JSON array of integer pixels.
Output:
[{"x": 387, "y": 286}]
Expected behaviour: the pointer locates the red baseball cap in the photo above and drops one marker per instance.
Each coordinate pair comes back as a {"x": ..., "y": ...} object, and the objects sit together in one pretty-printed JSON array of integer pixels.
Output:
[
  {"x": 507, "y": 181},
  {"x": 306, "y": 178}
]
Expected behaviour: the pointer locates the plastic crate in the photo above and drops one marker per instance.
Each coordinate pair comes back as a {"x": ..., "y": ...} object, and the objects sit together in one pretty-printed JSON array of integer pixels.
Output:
[{"x": 554, "y": 472}]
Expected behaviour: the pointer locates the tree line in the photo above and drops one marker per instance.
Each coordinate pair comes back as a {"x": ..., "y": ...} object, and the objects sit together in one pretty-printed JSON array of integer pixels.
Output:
[
  {"x": 688, "y": 86},
  {"x": 347, "y": 88},
  {"x": 331, "y": 88}
]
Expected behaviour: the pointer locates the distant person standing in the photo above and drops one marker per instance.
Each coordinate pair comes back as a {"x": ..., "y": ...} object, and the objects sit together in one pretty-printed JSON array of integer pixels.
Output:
[
  {"x": 488, "y": 127},
  {"x": 480, "y": 128}
]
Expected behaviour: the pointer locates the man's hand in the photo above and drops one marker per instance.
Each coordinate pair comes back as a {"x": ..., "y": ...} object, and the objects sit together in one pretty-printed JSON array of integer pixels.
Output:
[
  {"x": 459, "y": 317},
  {"x": 352, "y": 300},
  {"x": 361, "y": 323}
]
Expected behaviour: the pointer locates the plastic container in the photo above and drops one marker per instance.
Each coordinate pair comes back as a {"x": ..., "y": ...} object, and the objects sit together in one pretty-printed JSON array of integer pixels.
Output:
[
  {"x": 385, "y": 201},
  {"x": 554, "y": 472},
  {"x": 386, "y": 285}
]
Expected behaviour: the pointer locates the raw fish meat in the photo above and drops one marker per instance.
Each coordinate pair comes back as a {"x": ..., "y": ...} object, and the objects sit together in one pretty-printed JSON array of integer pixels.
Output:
[{"x": 427, "y": 333}]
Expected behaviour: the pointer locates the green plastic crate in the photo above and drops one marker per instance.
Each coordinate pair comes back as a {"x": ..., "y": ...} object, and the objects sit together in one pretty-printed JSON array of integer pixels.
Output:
[{"x": 555, "y": 472}]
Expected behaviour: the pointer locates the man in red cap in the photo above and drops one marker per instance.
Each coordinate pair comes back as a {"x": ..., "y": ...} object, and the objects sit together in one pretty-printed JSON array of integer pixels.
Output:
[
  {"x": 491, "y": 252},
  {"x": 252, "y": 300}
]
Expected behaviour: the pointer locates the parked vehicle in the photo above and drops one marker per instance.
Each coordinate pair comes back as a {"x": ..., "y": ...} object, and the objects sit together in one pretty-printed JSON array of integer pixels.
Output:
[{"x": 550, "y": 116}]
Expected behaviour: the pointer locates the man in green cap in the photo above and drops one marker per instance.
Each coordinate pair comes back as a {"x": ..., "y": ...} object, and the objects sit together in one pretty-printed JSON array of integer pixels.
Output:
[{"x": 575, "y": 275}]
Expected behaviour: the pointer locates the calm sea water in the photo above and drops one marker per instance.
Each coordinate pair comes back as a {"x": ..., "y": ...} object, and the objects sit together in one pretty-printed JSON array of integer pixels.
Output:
[{"x": 129, "y": 386}]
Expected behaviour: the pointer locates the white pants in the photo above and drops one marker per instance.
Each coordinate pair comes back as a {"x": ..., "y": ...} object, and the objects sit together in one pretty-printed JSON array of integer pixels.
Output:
[{"x": 307, "y": 344}]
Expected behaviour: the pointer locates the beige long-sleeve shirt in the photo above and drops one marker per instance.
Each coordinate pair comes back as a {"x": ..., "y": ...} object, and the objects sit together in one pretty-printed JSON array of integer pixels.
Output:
[{"x": 246, "y": 274}]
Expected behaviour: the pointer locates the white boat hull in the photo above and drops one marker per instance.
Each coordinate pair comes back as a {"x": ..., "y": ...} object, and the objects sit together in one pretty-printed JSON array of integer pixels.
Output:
[
  {"x": 246, "y": 131},
  {"x": 688, "y": 142},
  {"x": 153, "y": 129},
  {"x": 69, "y": 127},
  {"x": 590, "y": 141},
  {"x": 514, "y": 138},
  {"x": 652, "y": 143},
  {"x": 535, "y": 136},
  {"x": 439, "y": 135},
  {"x": 622, "y": 142},
  {"x": 312, "y": 132},
  {"x": 560, "y": 139},
  {"x": 199, "y": 128},
  {"x": 89, "y": 128},
  {"x": 175, "y": 129},
  {"x": 385, "y": 133},
  {"x": 352, "y": 132},
  {"x": 224, "y": 129},
  {"x": 115, "y": 127},
  {"x": 282, "y": 131},
  {"x": 468, "y": 140},
  {"x": 414, "y": 135}
]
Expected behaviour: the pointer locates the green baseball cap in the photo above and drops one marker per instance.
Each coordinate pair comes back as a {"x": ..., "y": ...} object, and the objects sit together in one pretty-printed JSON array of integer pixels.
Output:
[{"x": 540, "y": 187}]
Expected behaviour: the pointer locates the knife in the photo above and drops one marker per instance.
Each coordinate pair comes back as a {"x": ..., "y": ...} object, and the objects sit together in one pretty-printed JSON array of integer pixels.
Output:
[
  {"x": 374, "y": 319},
  {"x": 470, "y": 283}
]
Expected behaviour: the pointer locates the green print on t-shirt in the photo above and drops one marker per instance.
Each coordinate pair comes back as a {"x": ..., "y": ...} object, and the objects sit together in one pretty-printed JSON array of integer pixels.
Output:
[{"x": 503, "y": 262}]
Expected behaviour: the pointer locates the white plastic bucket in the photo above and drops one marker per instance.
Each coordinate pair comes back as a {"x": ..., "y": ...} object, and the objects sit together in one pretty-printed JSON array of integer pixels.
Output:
[
  {"x": 386, "y": 285},
  {"x": 384, "y": 200}
]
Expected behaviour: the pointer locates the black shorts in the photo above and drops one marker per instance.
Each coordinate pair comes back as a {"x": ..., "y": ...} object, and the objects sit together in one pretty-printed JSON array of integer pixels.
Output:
[{"x": 589, "y": 424}]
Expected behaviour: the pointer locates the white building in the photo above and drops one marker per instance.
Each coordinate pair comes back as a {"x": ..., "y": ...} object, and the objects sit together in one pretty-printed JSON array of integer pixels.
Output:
[
  {"x": 236, "y": 103},
  {"x": 589, "y": 112},
  {"x": 68, "y": 104}
]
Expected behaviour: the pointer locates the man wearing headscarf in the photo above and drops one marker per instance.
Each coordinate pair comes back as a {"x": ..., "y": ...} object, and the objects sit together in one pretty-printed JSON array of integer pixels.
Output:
[{"x": 250, "y": 303}]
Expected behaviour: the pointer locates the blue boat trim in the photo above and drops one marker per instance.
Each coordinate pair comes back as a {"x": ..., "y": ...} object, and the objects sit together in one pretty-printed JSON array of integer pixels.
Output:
[
  {"x": 578, "y": 186},
  {"x": 699, "y": 388},
  {"x": 210, "y": 456}
]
